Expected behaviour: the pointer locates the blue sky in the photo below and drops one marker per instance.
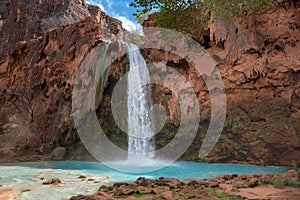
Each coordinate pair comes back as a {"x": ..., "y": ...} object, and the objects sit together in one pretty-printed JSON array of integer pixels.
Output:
[{"x": 120, "y": 10}]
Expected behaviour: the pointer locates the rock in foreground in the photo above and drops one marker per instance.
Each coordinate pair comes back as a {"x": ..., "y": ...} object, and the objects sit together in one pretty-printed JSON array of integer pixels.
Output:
[{"x": 226, "y": 186}]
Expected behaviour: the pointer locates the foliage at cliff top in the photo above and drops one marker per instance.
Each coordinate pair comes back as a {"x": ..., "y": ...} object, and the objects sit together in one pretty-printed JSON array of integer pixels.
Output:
[{"x": 186, "y": 15}]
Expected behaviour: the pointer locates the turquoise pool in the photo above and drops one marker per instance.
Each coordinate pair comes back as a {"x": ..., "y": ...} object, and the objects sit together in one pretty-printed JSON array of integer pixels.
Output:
[{"x": 28, "y": 176}]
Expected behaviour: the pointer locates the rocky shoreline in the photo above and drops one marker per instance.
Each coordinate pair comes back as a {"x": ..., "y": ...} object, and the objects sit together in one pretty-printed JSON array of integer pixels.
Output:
[
  {"x": 234, "y": 186},
  {"x": 86, "y": 186}
]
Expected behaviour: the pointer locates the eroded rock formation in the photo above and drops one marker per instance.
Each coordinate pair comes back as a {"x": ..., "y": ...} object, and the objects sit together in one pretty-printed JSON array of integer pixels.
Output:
[
  {"x": 259, "y": 60},
  {"x": 43, "y": 44}
]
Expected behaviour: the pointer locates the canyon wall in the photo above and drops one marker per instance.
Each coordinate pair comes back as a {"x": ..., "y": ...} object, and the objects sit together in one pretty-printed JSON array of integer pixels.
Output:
[
  {"x": 43, "y": 44},
  {"x": 259, "y": 60}
]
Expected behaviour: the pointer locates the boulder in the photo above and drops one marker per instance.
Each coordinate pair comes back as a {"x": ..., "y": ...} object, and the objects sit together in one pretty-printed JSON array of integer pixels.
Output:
[
  {"x": 213, "y": 184},
  {"x": 82, "y": 176},
  {"x": 124, "y": 190},
  {"x": 53, "y": 181},
  {"x": 145, "y": 190},
  {"x": 291, "y": 173},
  {"x": 171, "y": 182},
  {"x": 234, "y": 176},
  {"x": 58, "y": 153},
  {"x": 226, "y": 177},
  {"x": 244, "y": 177},
  {"x": 256, "y": 175},
  {"x": 78, "y": 197},
  {"x": 193, "y": 183},
  {"x": 253, "y": 182},
  {"x": 103, "y": 188},
  {"x": 144, "y": 181}
]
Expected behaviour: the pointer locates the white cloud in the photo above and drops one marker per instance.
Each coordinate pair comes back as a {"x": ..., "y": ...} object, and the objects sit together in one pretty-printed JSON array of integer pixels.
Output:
[
  {"x": 102, "y": 8},
  {"x": 96, "y": 3},
  {"x": 128, "y": 24},
  {"x": 109, "y": 4}
]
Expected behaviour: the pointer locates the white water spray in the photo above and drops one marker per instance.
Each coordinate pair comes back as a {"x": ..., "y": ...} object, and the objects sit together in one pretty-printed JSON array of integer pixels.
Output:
[{"x": 140, "y": 133}]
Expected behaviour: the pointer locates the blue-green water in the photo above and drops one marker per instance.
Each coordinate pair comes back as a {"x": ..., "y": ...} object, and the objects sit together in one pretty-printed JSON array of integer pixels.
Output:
[{"x": 28, "y": 176}]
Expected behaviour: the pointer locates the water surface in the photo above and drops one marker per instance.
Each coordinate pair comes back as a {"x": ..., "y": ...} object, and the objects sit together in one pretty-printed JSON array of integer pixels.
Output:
[{"x": 28, "y": 176}]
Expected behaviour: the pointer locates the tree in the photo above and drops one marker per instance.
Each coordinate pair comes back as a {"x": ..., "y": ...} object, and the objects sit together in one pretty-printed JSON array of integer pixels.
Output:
[
  {"x": 23, "y": 98},
  {"x": 237, "y": 8},
  {"x": 187, "y": 15},
  {"x": 182, "y": 16},
  {"x": 26, "y": 99}
]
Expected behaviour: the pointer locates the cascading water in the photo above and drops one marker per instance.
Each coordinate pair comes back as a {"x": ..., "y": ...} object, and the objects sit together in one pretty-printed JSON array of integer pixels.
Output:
[{"x": 140, "y": 133}]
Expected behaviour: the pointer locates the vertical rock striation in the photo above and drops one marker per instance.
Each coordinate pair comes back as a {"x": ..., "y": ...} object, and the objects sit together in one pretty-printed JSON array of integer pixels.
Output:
[
  {"x": 42, "y": 46},
  {"x": 259, "y": 59}
]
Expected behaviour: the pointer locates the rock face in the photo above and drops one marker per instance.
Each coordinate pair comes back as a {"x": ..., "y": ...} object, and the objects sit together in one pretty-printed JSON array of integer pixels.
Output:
[
  {"x": 44, "y": 43},
  {"x": 42, "y": 46},
  {"x": 259, "y": 60},
  {"x": 58, "y": 153},
  {"x": 26, "y": 20}
]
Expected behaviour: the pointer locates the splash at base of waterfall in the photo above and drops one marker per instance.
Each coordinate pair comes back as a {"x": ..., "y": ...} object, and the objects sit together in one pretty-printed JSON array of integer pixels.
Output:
[{"x": 140, "y": 164}]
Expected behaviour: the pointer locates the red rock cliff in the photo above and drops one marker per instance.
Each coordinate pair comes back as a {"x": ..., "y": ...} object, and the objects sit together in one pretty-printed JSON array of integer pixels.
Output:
[
  {"x": 259, "y": 59},
  {"x": 42, "y": 46}
]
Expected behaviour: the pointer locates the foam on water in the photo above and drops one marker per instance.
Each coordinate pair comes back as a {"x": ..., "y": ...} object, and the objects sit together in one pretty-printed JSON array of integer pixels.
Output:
[{"x": 140, "y": 164}]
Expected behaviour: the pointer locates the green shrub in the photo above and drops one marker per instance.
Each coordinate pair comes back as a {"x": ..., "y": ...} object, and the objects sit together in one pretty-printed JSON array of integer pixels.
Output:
[
  {"x": 140, "y": 195},
  {"x": 282, "y": 182}
]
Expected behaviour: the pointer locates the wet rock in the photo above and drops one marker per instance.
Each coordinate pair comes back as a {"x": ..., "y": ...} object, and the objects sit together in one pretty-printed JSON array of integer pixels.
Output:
[
  {"x": 78, "y": 197},
  {"x": 82, "y": 176},
  {"x": 103, "y": 188},
  {"x": 58, "y": 153},
  {"x": 118, "y": 184},
  {"x": 25, "y": 190},
  {"x": 53, "y": 181},
  {"x": 110, "y": 188}
]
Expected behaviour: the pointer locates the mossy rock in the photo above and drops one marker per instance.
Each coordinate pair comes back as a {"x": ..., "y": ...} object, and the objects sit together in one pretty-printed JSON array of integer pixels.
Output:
[{"x": 58, "y": 153}]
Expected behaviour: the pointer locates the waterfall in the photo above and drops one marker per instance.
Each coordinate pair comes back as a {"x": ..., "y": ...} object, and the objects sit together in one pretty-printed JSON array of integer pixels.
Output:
[{"x": 140, "y": 133}]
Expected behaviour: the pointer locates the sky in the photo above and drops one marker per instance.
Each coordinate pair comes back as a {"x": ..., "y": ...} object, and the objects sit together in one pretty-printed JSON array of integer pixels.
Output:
[{"x": 119, "y": 9}]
